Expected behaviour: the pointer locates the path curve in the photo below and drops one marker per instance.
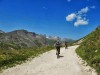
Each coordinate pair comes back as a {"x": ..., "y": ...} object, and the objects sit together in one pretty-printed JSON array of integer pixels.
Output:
[{"x": 48, "y": 64}]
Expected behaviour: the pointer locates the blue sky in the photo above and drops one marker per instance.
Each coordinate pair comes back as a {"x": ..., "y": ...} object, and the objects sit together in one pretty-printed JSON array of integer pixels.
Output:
[{"x": 64, "y": 18}]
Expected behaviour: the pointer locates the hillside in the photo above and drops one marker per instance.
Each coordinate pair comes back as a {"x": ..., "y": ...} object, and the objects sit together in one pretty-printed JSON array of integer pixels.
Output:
[
  {"x": 48, "y": 64},
  {"x": 18, "y": 39},
  {"x": 19, "y": 45},
  {"x": 1, "y": 31},
  {"x": 22, "y": 39},
  {"x": 89, "y": 49},
  {"x": 70, "y": 41}
]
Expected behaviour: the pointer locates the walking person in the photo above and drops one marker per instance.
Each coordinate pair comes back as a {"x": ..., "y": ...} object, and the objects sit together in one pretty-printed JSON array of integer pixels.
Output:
[{"x": 66, "y": 45}]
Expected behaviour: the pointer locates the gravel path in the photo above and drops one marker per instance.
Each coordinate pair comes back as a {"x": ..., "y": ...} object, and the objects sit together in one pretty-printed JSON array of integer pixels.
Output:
[{"x": 48, "y": 64}]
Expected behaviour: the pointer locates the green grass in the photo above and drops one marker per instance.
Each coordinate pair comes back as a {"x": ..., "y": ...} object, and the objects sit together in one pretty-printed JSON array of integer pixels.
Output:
[
  {"x": 9, "y": 58},
  {"x": 89, "y": 50}
]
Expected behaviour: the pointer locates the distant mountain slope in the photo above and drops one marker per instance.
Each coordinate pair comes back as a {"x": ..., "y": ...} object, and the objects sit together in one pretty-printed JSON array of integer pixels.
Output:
[
  {"x": 89, "y": 49},
  {"x": 23, "y": 39},
  {"x": 68, "y": 40},
  {"x": 2, "y": 31}
]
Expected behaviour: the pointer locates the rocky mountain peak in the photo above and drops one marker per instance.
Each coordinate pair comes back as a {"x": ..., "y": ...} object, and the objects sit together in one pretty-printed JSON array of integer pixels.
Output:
[{"x": 2, "y": 31}]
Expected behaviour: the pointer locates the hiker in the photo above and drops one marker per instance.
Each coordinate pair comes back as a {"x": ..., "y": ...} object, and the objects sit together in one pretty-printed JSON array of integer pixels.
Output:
[
  {"x": 57, "y": 45},
  {"x": 66, "y": 45}
]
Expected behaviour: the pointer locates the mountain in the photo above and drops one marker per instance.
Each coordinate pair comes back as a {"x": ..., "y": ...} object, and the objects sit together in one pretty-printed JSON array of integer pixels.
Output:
[
  {"x": 23, "y": 39},
  {"x": 2, "y": 31},
  {"x": 89, "y": 49},
  {"x": 68, "y": 40}
]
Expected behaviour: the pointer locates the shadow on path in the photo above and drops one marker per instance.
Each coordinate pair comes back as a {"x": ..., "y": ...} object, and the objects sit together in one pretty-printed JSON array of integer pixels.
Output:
[{"x": 60, "y": 56}]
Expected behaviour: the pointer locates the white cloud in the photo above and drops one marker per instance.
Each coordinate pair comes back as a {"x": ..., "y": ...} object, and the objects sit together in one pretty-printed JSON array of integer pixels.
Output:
[
  {"x": 81, "y": 22},
  {"x": 69, "y": 0},
  {"x": 71, "y": 17},
  {"x": 79, "y": 17},
  {"x": 84, "y": 10}
]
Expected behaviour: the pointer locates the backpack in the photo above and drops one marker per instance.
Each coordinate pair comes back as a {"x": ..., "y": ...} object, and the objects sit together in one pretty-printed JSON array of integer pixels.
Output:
[{"x": 58, "y": 44}]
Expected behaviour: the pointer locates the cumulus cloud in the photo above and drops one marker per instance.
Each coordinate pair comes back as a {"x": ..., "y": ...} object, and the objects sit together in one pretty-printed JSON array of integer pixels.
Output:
[
  {"x": 81, "y": 22},
  {"x": 80, "y": 17},
  {"x": 71, "y": 17},
  {"x": 84, "y": 10}
]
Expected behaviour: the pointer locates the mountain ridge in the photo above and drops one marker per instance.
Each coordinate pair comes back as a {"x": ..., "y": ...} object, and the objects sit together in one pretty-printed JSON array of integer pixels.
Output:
[{"x": 23, "y": 39}]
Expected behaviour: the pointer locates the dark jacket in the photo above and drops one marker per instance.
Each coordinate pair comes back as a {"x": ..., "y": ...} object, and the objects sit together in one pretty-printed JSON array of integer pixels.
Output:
[{"x": 57, "y": 44}]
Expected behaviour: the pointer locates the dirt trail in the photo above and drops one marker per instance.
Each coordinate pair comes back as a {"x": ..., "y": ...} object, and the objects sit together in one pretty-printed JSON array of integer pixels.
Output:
[{"x": 48, "y": 64}]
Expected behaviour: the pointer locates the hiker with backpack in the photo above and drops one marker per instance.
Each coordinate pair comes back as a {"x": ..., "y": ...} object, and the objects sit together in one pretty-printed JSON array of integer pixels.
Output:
[{"x": 57, "y": 45}]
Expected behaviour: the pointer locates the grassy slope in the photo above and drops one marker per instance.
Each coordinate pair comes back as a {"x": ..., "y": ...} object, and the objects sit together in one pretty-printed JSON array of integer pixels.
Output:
[
  {"x": 9, "y": 58},
  {"x": 89, "y": 50}
]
